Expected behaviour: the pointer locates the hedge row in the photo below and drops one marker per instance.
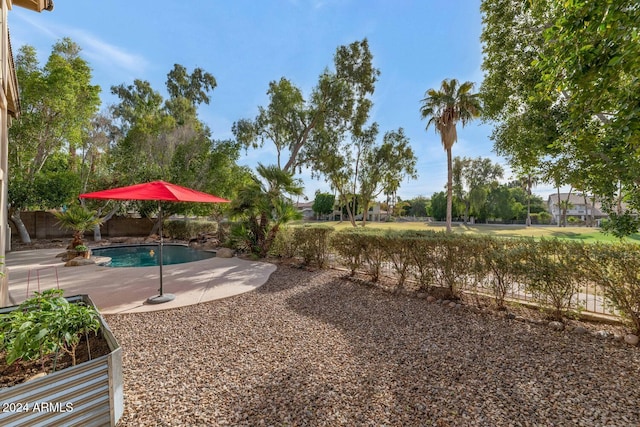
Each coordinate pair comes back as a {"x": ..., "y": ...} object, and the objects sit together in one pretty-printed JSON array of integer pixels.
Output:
[{"x": 554, "y": 271}]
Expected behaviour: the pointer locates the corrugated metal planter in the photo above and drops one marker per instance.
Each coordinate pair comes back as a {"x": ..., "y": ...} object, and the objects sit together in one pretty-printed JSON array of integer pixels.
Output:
[{"x": 88, "y": 394}]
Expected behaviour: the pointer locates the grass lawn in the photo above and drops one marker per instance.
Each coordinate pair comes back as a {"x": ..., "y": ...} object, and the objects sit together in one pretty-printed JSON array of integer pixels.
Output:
[{"x": 585, "y": 234}]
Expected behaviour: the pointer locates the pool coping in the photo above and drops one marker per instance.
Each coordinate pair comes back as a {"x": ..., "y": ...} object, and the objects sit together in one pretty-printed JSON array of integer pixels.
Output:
[{"x": 126, "y": 289}]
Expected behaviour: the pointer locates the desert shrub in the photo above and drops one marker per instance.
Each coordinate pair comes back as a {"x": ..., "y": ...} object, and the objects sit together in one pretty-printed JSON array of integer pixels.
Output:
[
  {"x": 372, "y": 245},
  {"x": 423, "y": 257},
  {"x": 284, "y": 244},
  {"x": 398, "y": 251},
  {"x": 497, "y": 263},
  {"x": 550, "y": 268},
  {"x": 452, "y": 262},
  {"x": 615, "y": 269},
  {"x": 188, "y": 229},
  {"x": 312, "y": 243},
  {"x": 348, "y": 245}
]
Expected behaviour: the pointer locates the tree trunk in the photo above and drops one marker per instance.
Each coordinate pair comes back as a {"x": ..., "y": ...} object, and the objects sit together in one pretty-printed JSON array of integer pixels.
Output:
[
  {"x": 528, "y": 200},
  {"x": 365, "y": 213},
  {"x": 449, "y": 190},
  {"x": 559, "y": 208},
  {"x": 22, "y": 230}
]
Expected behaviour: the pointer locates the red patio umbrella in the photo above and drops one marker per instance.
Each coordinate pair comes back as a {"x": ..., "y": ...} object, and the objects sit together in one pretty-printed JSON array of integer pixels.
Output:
[{"x": 160, "y": 191}]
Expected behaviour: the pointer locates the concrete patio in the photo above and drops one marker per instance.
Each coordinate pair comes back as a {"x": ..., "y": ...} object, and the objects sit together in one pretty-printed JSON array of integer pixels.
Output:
[{"x": 125, "y": 289}]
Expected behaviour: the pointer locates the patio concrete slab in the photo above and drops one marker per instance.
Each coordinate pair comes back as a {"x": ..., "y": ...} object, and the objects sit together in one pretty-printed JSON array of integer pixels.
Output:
[{"x": 126, "y": 289}]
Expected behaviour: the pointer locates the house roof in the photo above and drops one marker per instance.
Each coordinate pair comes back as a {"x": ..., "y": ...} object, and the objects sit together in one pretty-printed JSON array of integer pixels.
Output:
[{"x": 574, "y": 199}]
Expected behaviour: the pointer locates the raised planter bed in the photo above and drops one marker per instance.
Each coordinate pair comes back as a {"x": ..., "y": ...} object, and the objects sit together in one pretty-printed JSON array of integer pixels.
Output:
[{"x": 87, "y": 394}]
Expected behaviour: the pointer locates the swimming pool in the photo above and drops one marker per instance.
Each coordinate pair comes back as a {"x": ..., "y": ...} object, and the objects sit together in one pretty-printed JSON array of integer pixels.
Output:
[{"x": 147, "y": 255}]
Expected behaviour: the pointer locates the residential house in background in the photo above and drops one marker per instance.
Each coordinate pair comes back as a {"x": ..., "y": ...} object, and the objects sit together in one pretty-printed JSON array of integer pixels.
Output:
[
  {"x": 577, "y": 208},
  {"x": 9, "y": 110},
  {"x": 305, "y": 208}
]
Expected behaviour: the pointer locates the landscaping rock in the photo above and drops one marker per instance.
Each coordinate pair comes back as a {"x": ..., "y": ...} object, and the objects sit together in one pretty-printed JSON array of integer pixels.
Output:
[
  {"x": 421, "y": 295},
  {"x": 602, "y": 334},
  {"x": 452, "y": 304},
  {"x": 79, "y": 261},
  {"x": 631, "y": 339},
  {"x": 556, "y": 326},
  {"x": 431, "y": 299},
  {"x": 315, "y": 349},
  {"x": 224, "y": 253},
  {"x": 580, "y": 330}
]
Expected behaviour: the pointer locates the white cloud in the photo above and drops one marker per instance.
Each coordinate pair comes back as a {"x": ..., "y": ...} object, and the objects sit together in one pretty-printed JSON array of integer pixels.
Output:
[{"x": 93, "y": 48}]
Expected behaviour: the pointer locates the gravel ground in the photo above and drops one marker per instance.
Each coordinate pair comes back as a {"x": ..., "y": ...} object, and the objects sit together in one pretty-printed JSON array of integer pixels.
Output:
[{"x": 313, "y": 349}]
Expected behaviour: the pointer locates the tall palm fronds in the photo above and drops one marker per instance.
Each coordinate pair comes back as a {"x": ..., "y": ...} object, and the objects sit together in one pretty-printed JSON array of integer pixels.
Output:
[{"x": 444, "y": 108}]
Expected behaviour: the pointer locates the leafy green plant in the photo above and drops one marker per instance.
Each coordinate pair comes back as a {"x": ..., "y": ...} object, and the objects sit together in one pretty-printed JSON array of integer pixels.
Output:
[
  {"x": 615, "y": 269},
  {"x": 497, "y": 262},
  {"x": 348, "y": 247},
  {"x": 46, "y": 324},
  {"x": 551, "y": 271},
  {"x": 78, "y": 219},
  {"x": 81, "y": 248},
  {"x": 312, "y": 243}
]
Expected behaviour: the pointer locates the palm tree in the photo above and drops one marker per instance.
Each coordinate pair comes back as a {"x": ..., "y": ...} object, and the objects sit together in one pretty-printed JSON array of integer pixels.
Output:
[
  {"x": 79, "y": 220},
  {"x": 444, "y": 108},
  {"x": 264, "y": 207}
]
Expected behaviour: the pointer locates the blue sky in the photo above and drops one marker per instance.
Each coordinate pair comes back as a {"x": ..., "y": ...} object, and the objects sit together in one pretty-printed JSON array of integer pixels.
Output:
[{"x": 246, "y": 44}]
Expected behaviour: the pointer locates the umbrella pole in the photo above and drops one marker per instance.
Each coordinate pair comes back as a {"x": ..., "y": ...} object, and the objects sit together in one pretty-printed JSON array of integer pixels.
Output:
[{"x": 162, "y": 297}]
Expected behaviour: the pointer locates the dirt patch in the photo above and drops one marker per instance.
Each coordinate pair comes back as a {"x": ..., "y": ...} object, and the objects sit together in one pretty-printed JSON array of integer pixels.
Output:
[{"x": 22, "y": 370}]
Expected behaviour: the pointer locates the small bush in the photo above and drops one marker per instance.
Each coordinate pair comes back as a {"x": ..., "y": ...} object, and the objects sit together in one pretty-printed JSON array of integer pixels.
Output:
[
  {"x": 551, "y": 270},
  {"x": 615, "y": 269},
  {"x": 312, "y": 244},
  {"x": 398, "y": 252},
  {"x": 497, "y": 263},
  {"x": 349, "y": 247},
  {"x": 284, "y": 244}
]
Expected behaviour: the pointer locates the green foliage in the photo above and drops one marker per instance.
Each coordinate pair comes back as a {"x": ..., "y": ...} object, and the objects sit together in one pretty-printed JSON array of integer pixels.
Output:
[
  {"x": 284, "y": 245},
  {"x": 453, "y": 103},
  {"x": 46, "y": 324},
  {"x": 615, "y": 269},
  {"x": 398, "y": 251},
  {"x": 550, "y": 269},
  {"x": 312, "y": 244},
  {"x": 78, "y": 219},
  {"x": 323, "y": 203},
  {"x": 349, "y": 248},
  {"x": 621, "y": 225},
  {"x": 262, "y": 208},
  {"x": 188, "y": 229},
  {"x": 497, "y": 263}
]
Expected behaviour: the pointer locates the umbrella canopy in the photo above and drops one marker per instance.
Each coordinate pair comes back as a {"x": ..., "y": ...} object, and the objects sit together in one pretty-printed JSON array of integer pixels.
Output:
[
  {"x": 159, "y": 191},
  {"x": 156, "y": 190}
]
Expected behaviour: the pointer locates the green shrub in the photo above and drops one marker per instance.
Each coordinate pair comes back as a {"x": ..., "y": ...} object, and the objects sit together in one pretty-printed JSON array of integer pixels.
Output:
[
  {"x": 423, "y": 257},
  {"x": 312, "y": 244},
  {"x": 185, "y": 229},
  {"x": 496, "y": 263},
  {"x": 373, "y": 253},
  {"x": 45, "y": 324},
  {"x": 284, "y": 245},
  {"x": 551, "y": 270},
  {"x": 398, "y": 252},
  {"x": 349, "y": 247},
  {"x": 616, "y": 270}
]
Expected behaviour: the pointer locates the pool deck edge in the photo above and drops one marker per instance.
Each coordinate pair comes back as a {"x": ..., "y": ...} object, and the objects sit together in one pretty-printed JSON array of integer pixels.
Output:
[{"x": 126, "y": 289}]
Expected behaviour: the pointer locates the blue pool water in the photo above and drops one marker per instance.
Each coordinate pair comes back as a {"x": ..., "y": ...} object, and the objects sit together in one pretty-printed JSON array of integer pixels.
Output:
[{"x": 147, "y": 255}]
